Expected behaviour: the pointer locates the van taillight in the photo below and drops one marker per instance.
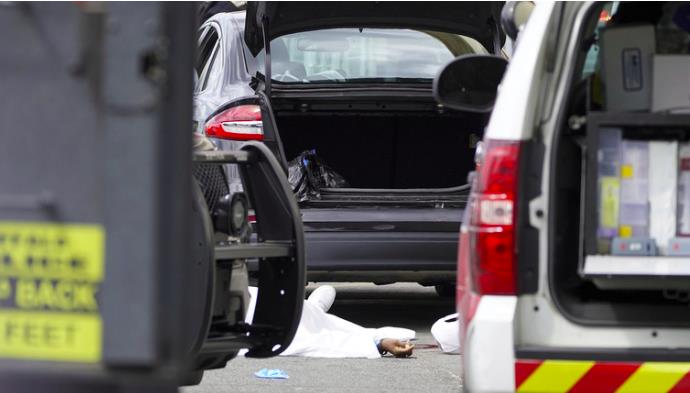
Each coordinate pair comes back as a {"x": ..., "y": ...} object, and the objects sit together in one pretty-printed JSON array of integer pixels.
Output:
[
  {"x": 493, "y": 211},
  {"x": 239, "y": 123}
]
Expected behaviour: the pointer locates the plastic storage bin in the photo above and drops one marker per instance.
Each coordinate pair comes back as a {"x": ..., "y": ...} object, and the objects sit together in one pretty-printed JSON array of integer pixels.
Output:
[
  {"x": 634, "y": 197},
  {"x": 608, "y": 182}
]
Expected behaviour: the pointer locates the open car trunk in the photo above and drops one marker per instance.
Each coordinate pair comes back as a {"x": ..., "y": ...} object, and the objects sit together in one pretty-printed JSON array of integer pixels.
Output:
[{"x": 423, "y": 157}]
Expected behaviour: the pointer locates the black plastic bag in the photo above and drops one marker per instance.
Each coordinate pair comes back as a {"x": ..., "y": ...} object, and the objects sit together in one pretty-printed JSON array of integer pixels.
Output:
[{"x": 308, "y": 174}]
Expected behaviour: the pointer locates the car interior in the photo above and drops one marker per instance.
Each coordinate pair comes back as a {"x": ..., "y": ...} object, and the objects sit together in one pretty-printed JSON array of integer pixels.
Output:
[{"x": 399, "y": 150}]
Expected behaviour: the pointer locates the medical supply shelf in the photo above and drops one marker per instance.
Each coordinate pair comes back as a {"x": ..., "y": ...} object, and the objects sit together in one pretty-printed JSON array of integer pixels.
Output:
[{"x": 626, "y": 271}]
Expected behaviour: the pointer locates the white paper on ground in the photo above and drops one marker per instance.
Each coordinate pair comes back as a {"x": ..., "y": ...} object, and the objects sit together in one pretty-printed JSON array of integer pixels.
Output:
[
  {"x": 446, "y": 332},
  {"x": 663, "y": 188}
]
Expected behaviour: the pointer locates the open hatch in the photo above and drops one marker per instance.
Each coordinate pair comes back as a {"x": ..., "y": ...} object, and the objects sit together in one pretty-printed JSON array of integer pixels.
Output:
[
  {"x": 620, "y": 183},
  {"x": 352, "y": 83}
]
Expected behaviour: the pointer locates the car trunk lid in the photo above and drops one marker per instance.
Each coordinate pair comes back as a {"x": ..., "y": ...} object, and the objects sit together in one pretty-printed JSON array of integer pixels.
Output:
[{"x": 269, "y": 20}]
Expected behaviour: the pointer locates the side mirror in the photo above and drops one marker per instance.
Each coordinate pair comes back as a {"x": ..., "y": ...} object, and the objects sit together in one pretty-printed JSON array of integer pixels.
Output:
[
  {"x": 514, "y": 15},
  {"x": 470, "y": 82}
]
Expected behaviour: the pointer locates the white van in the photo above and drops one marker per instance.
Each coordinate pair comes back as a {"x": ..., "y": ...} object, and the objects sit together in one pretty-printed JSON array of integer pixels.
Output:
[{"x": 549, "y": 300}]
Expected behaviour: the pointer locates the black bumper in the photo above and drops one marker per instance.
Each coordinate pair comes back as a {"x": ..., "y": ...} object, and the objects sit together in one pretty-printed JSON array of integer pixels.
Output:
[{"x": 381, "y": 245}]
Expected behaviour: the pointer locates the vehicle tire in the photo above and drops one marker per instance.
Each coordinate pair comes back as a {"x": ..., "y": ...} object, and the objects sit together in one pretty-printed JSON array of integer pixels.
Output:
[{"x": 445, "y": 290}]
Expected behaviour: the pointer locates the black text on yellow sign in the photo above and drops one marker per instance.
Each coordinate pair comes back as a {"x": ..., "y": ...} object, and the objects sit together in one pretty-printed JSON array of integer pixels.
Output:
[
  {"x": 53, "y": 295},
  {"x": 50, "y": 336},
  {"x": 50, "y": 275}
]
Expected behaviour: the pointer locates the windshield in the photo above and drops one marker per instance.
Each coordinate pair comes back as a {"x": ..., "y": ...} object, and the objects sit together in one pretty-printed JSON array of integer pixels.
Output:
[{"x": 365, "y": 55}]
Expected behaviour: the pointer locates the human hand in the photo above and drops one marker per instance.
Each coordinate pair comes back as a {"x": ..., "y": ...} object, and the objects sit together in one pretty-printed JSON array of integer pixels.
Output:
[{"x": 397, "y": 348}]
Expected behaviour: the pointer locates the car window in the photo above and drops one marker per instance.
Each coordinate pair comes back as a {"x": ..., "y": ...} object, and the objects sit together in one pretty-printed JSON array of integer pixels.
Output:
[
  {"x": 207, "y": 48},
  {"x": 210, "y": 67},
  {"x": 365, "y": 55},
  {"x": 202, "y": 34}
]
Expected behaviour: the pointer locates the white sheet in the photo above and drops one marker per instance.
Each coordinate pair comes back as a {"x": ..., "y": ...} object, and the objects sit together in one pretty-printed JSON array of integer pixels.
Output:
[
  {"x": 446, "y": 332},
  {"x": 327, "y": 336}
]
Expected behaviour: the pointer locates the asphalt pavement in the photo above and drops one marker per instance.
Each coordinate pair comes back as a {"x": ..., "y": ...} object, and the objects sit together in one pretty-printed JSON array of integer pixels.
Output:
[{"x": 405, "y": 305}]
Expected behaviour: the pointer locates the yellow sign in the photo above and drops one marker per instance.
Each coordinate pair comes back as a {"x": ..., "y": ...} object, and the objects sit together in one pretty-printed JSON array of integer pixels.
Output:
[
  {"x": 50, "y": 275},
  {"x": 48, "y": 336}
]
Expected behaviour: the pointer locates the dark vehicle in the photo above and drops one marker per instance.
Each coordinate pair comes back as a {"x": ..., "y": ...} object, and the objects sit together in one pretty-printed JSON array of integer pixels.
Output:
[{"x": 350, "y": 84}]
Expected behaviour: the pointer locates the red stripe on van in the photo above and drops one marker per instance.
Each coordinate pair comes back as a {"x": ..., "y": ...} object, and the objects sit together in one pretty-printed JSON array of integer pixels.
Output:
[
  {"x": 604, "y": 377},
  {"x": 683, "y": 386},
  {"x": 525, "y": 368}
]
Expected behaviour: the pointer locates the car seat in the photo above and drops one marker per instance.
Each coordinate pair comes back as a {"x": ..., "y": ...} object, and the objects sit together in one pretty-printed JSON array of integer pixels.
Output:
[{"x": 282, "y": 67}]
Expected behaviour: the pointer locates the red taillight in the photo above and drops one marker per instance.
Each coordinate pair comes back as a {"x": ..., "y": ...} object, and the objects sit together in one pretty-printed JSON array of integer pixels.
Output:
[
  {"x": 239, "y": 123},
  {"x": 493, "y": 211}
]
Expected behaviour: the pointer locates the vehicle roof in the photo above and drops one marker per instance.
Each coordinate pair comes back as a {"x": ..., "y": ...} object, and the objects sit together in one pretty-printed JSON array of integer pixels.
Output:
[{"x": 228, "y": 22}]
